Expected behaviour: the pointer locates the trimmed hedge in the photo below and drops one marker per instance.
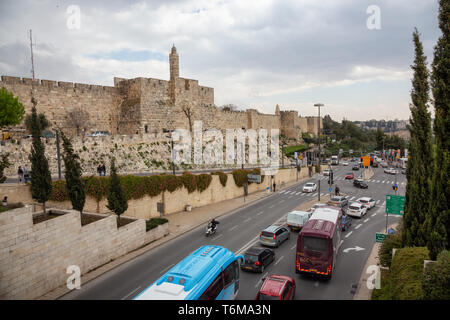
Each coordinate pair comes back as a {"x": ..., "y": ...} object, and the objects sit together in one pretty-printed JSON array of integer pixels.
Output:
[
  {"x": 392, "y": 241},
  {"x": 240, "y": 176},
  {"x": 154, "y": 222},
  {"x": 404, "y": 280},
  {"x": 223, "y": 177},
  {"x": 436, "y": 279}
]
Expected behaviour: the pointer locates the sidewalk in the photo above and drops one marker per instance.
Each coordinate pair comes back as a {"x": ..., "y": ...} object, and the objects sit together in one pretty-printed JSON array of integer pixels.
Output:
[
  {"x": 179, "y": 223},
  {"x": 363, "y": 292}
]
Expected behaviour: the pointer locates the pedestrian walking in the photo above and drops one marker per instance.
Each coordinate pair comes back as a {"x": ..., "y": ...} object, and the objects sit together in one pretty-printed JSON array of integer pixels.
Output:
[
  {"x": 99, "y": 169},
  {"x": 26, "y": 174},
  {"x": 20, "y": 174},
  {"x": 336, "y": 190},
  {"x": 274, "y": 186},
  {"x": 104, "y": 169}
]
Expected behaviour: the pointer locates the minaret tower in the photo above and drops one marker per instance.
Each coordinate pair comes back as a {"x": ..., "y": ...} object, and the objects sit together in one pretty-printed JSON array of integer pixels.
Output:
[{"x": 174, "y": 61}]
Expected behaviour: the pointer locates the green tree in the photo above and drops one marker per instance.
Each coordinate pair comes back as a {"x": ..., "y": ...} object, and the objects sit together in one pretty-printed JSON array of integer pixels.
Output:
[
  {"x": 41, "y": 179},
  {"x": 438, "y": 220},
  {"x": 419, "y": 167},
  {"x": 11, "y": 110},
  {"x": 40, "y": 124},
  {"x": 4, "y": 163},
  {"x": 117, "y": 202},
  {"x": 73, "y": 175}
]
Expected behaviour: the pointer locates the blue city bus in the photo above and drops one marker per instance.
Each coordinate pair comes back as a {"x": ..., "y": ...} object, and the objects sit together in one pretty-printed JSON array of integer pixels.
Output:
[{"x": 208, "y": 273}]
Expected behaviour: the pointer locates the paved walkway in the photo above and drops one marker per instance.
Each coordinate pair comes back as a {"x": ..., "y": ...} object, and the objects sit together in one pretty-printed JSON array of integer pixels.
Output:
[{"x": 179, "y": 223}]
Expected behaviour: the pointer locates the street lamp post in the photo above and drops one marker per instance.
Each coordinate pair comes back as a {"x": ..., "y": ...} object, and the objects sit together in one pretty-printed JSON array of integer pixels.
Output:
[{"x": 318, "y": 105}]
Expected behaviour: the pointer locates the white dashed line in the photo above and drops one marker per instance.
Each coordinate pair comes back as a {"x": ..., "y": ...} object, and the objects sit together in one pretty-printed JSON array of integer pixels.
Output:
[
  {"x": 232, "y": 228},
  {"x": 348, "y": 234},
  {"x": 278, "y": 260},
  {"x": 359, "y": 225},
  {"x": 130, "y": 293},
  {"x": 247, "y": 220},
  {"x": 367, "y": 220}
]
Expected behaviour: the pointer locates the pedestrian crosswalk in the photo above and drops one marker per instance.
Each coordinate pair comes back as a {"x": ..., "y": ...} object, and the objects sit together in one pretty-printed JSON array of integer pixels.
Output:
[{"x": 375, "y": 181}]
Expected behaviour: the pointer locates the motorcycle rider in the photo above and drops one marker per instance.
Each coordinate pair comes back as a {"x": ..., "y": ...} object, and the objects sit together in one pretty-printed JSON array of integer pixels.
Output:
[{"x": 213, "y": 223}]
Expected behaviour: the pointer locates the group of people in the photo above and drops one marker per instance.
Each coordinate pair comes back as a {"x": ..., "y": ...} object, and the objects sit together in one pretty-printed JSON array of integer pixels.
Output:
[
  {"x": 24, "y": 174},
  {"x": 101, "y": 169}
]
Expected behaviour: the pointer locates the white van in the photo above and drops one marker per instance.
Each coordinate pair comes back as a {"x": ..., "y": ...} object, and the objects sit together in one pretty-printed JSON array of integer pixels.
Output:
[{"x": 297, "y": 219}]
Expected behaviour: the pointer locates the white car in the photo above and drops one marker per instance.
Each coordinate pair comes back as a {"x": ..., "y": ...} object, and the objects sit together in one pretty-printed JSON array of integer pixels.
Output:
[
  {"x": 310, "y": 187},
  {"x": 356, "y": 209},
  {"x": 326, "y": 172},
  {"x": 368, "y": 202},
  {"x": 390, "y": 171},
  {"x": 345, "y": 163}
]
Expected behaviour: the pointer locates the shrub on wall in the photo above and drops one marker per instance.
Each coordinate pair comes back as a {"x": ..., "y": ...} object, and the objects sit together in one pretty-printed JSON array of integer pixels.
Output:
[
  {"x": 436, "y": 280},
  {"x": 240, "y": 176},
  {"x": 59, "y": 191},
  {"x": 189, "y": 181},
  {"x": 223, "y": 177},
  {"x": 203, "y": 181},
  {"x": 170, "y": 182}
]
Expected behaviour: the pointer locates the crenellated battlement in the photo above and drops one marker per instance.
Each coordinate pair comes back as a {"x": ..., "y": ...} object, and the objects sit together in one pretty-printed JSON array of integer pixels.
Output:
[{"x": 56, "y": 85}]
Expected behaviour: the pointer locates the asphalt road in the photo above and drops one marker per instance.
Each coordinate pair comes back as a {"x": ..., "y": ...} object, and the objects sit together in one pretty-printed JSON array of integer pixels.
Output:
[{"x": 241, "y": 229}]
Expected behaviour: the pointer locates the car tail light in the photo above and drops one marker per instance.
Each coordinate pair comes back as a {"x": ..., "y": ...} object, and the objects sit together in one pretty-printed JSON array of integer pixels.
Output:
[
  {"x": 260, "y": 235},
  {"x": 342, "y": 224},
  {"x": 257, "y": 263},
  {"x": 274, "y": 236}
]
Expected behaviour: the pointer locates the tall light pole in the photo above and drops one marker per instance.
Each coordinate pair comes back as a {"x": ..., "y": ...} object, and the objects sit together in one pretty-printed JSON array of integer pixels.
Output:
[{"x": 318, "y": 105}]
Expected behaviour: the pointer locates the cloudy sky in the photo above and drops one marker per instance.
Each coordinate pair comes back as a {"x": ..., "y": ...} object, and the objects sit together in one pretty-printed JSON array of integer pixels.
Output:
[{"x": 254, "y": 53}]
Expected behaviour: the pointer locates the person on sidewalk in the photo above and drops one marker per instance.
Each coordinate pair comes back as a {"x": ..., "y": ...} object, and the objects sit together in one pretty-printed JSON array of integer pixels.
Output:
[
  {"x": 26, "y": 174},
  {"x": 99, "y": 170},
  {"x": 336, "y": 191},
  {"x": 20, "y": 174},
  {"x": 274, "y": 186},
  {"x": 104, "y": 169}
]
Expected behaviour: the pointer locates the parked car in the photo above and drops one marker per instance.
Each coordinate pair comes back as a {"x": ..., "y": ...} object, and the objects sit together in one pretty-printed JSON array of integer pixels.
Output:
[
  {"x": 256, "y": 259},
  {"x": 384, "y": 164},
  {"x": 338, "y": 201},
  {"x": 360, "y": 184},
  {"x": 297, "y": 219},
  {"x": 356, "y": 209},
  {"x": 349, "y": 175},
  {"x": 277, "y": 287},
  {"x": 274, "y": 235},
  {"x": 368, "y": 202},
  {"x": 355, "y": 167},
  {"x": 346, "y": 222},
  {"x": 310, "y": 187}
]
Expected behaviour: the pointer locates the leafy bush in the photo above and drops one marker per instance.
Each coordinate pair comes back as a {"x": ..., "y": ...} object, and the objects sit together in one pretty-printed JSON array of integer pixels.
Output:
[
  {"x": 189, "y": 181},
  {"x": 392, "y": 241},
  {"x": 404, "y": 280},
  {"x": 240, "y": 176},
  {"x": 436, "y": 280},
  {"x": 223, "y": 177},
  {"x": 154, "y": 222},
  {"x": 203, "y": 181}
]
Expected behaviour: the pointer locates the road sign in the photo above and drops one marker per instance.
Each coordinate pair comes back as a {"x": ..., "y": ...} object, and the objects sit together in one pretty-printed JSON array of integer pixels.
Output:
[
  {"x": 395, "y": 204},
  {"x": 330, "y": 189},
  {"x": 254, "y": 178},
  {"x": 366, "y": 161},
  {"x": 380, "y": 237},
  {"x": 160, "y": 207}
]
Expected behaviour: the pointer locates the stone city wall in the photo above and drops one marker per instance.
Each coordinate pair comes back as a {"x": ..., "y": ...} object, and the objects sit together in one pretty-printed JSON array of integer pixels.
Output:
[{"x": 34, "y": 257}]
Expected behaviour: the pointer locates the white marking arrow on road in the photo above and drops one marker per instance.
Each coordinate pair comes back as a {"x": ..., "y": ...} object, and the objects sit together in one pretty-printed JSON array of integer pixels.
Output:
[{"x": 355, "y": 248}]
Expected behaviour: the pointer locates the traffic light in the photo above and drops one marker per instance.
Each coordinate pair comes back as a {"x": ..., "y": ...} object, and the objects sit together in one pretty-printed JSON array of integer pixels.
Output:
[
  {"x": 330, "y": 178},
  {"x": 395, "y": 187}
]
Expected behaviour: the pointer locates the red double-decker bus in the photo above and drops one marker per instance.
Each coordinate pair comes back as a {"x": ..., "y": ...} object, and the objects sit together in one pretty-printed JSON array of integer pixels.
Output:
[{"x": 318, "y": 243}]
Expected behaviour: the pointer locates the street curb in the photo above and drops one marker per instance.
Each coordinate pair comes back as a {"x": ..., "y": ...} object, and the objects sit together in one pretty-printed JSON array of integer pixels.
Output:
[{"x": 93, "y": 274}]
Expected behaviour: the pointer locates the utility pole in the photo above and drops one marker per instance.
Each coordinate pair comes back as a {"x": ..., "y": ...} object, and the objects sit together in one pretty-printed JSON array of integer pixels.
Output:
[
  {"x": 58, "y": 153},
  {"x": 318, "y": 105}
]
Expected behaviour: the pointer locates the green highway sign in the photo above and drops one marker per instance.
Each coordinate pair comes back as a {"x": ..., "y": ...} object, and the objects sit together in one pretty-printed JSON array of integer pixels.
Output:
[
  {"x": 380, "y": 237},
  {"x": 395, "y": 204}
]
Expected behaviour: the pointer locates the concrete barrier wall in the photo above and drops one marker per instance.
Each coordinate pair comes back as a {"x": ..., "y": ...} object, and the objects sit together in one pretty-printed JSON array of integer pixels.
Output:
[
  {"x": 34, "y": 257},
  {"x": 176, "y": 201}
]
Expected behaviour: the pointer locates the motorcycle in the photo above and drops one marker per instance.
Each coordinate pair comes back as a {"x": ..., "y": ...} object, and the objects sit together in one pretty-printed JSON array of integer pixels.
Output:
[{"x": 210, "y": 230}]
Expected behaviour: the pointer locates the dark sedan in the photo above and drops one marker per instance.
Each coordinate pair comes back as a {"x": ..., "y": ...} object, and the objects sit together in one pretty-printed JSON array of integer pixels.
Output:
[{"x": 360, "y": 184}]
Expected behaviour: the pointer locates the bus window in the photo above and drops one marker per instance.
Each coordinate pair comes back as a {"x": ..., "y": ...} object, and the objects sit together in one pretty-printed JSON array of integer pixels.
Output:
[
  {"x": 214, "y": 289},
  {"x": 228, "y": 275},
  {"x": 314, "y": 244}
]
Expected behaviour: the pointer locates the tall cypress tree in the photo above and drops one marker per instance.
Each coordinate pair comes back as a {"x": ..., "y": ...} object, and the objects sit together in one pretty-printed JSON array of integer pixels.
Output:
[
  {"x": 438, "y": 220},
  {"x": 420, "y": 163},
  {"x": 117, "y": 202},
  {"x": 41, "y": 179},
  {"x": 73, "y": 174}
]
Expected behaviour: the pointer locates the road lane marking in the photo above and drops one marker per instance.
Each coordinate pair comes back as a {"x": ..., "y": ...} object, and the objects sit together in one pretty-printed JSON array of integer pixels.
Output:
[
  {"x": 164, "y": 270},
  {"x": 260, "y": 280},
  {"x": 352, "y": 198},
  {"x": 247, "y": 220},
  {"x": 348, "y": 234},
  {"x": 378, "y": 201},
  {"x": 282, "y": 191},
  {"x": 276, "y": 262},
  {"x": 315, "y": 194},
  {"x": 130, "y": 293},
  {"x": 282, "y": 200},
  {"x": 217, "y": 237},
  {"x": 359, "y": 225},
  {"x": 367, "y": 220},
  {"x": 373, "y": 215},
  {"x": 293, "y": 247},
  {"x": 271, "y": 206},
  {"x": 232, "y": 228},
  {"x": 260, "y": 213}
]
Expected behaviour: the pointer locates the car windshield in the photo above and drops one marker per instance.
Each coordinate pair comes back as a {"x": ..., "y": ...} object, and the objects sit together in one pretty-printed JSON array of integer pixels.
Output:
[
  {"x": 336, "y": 199},
  {"x": 263, "y": 296},
  {"x": 354, "y": 208},
  {"x": 314, "y": 244},
  {"x": 363, "y": 200},
  {"x": 309, "y": 185},
  {"x": 249, "y": 258}
]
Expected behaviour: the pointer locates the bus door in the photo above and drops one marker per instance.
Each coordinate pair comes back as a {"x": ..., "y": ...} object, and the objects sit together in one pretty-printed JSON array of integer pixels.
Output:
[{"x": 230, "y": 281}]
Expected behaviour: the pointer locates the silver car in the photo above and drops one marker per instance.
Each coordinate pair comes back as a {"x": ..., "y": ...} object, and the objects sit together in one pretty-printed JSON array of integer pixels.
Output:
[{"x": 273, "y": 236}]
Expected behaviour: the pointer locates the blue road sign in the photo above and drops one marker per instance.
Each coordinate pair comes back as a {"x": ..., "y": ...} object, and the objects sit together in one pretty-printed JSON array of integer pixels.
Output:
[{"x": 330, "y": 189}]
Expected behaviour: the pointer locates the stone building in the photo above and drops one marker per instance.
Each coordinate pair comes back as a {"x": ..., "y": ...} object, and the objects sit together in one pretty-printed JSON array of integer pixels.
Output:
[{"x": 145, "y": 105}]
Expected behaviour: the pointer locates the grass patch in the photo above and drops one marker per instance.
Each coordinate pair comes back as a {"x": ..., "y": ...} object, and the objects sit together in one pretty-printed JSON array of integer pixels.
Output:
[{"x": 298, "y": 148}]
